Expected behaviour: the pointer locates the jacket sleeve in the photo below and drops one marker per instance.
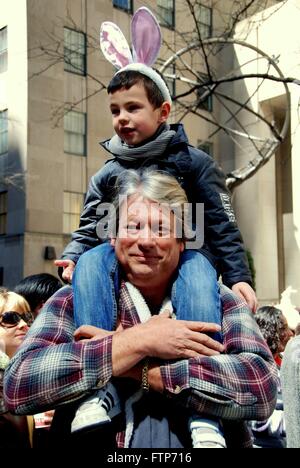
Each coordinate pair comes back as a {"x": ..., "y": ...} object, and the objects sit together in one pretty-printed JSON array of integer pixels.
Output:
[
  {"x": 221, "y": 232},
  {"x": 86, "y": 237},
  {"x": 240, "y": 384}
]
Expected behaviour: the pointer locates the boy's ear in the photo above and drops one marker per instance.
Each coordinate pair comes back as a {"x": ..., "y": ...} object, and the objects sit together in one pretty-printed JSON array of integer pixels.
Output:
[
  {"x": 113, "y": 241},
  {"x": 164, "y": 112}
]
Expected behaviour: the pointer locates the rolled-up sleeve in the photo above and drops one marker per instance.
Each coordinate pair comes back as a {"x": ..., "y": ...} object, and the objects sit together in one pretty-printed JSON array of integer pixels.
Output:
[
  {"x": 50, "y": 368},
  {"x": 240, "y": 384}
]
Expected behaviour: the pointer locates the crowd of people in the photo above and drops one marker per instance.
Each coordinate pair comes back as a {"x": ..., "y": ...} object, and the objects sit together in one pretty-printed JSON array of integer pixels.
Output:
[{"x": 147, "y": 348}]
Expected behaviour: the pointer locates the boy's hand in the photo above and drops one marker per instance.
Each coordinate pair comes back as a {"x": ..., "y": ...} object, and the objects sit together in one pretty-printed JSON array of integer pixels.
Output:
[
  {"x": 68, "y": 266},
  {"x": 245, "y": 291}
]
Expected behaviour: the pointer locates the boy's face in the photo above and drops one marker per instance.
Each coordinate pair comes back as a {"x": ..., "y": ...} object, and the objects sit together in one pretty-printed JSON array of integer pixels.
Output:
[{"x": 134, "y": 118}]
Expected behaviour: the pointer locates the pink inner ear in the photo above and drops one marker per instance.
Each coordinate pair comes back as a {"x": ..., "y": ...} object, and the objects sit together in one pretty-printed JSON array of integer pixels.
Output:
[
  {"x": 146, "y": 36},
  {"x": 114, "y": 45},
  {"x": 115, "y": 57}
]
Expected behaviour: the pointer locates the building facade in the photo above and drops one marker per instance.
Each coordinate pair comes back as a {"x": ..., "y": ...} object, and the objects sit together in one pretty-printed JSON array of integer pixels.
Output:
[
  {"x": 271, "y": 221},
  {"x": 54, "y": 112}
]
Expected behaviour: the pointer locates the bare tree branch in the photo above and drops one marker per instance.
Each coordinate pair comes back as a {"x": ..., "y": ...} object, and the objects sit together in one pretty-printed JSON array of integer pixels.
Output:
[{"x": 199, "y": 53}]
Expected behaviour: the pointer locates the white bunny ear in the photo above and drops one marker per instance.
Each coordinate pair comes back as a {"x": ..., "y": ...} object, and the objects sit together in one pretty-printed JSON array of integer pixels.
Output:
[
  {"x": 114, "y": 46},
  {"x": 145, "y": 36}
]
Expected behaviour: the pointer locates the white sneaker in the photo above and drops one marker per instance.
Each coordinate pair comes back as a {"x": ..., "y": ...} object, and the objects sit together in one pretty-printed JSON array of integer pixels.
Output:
[
  {"x": 97, "y": 409},
  {"x": 207, "y": 434}
]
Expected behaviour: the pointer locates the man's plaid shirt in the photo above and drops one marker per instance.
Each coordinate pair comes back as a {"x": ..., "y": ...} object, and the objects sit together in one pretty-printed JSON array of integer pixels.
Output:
[{"x": 50, "y": 368}]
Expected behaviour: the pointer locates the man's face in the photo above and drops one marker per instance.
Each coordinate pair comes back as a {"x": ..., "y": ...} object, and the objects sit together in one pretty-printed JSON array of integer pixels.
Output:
[
  {"x": 133, "y": 116},
  {"x": 146, "y": 245}
]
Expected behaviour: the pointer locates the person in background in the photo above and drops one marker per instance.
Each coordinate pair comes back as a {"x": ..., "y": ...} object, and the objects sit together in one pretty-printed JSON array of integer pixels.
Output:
[
  {"x": 37, "y": 289},
  {"x": 15, "y": 317},
  {"x": 290, "y": 378},
  {"x": 274, "y": 327}
]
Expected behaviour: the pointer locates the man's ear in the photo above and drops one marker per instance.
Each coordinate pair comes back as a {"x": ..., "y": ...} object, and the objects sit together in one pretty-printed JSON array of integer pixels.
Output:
[
  {"x": 164, "y": 112},
  {"x": 113, "y": 241}
]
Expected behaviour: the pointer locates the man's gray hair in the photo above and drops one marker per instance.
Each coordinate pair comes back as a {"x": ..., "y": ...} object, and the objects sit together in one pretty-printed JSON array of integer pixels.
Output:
[{"x": 156, "y": 186}]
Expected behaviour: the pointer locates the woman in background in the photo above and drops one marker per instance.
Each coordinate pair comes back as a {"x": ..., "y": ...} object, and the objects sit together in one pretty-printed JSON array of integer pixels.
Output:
[
  {"x": 275, "y": 330},
  {"x": 15, "y": 319}
]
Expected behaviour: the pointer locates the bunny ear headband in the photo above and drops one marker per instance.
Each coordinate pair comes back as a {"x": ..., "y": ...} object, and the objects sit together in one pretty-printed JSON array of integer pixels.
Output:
[{"x": 146, "y": 42}]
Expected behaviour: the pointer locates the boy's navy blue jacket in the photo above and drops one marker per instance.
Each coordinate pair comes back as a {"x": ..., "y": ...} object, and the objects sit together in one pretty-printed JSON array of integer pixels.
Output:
[{"x": 203, "y": 181}]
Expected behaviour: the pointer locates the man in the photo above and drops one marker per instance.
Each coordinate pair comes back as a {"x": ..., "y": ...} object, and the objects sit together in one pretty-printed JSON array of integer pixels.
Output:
[{"x": 186, "y": 372}]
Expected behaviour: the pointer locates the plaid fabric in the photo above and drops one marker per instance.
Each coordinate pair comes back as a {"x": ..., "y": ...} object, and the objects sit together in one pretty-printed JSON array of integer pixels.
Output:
[
  {"x": 50, "y": 368},
  {"x": 2, "y": 404},
  {"x": 234, "y": 385},
  {"x": 229, "y": 386}
]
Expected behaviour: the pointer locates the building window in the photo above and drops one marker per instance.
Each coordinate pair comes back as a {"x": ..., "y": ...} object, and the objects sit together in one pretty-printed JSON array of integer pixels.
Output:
[
  {"x": 73, "y": 205},
  {"x": 207, "y": 103},
  {"x": 3, "y": 212},
  {"x": 74, "y": 51},
  {"x": 206, "y": 146},
  {"x": 124, "y": 5},
  {"x": 3, "y": 132},
  {"x": 204, "y": 19},
  {"x": 3, "y": 49},
  {"x": 75, "y": 133},
  {"x": 166, "y": 12}
]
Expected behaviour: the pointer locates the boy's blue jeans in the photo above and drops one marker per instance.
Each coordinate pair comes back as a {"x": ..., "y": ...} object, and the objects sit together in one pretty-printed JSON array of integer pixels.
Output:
[{"x": 195, "y": 292}]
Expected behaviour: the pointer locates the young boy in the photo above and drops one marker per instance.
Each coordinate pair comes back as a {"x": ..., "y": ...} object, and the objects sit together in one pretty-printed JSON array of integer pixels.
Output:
[
  {"x": 140, "y": 105},
  {"x": 143, "y": 139}
]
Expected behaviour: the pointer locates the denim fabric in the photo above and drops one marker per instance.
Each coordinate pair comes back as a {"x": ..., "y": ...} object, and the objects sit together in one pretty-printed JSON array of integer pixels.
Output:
[
  {"x": 96, "y": 284},
  {"x": 195, "y": 292}
]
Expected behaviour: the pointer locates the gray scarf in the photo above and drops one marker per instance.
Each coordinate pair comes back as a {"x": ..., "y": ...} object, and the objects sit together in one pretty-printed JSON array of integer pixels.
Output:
[{"x": 152, "y": 148}]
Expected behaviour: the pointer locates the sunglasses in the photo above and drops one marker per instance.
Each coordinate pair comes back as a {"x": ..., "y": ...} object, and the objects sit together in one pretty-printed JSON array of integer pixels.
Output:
[{"x": 11, "y": 319}]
